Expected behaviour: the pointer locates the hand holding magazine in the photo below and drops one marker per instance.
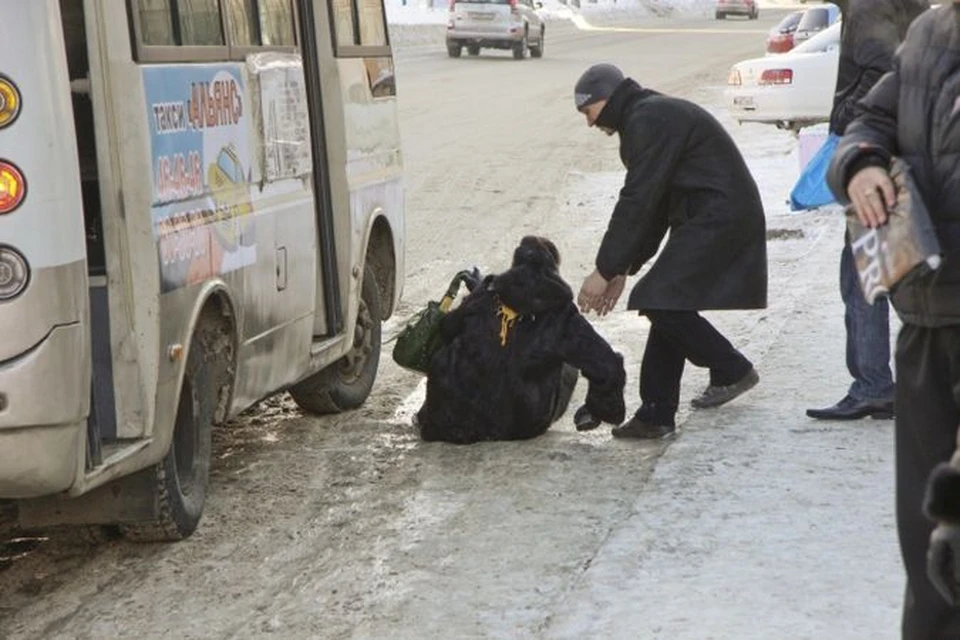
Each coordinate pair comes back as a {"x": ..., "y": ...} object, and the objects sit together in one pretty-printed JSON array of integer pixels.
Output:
[{"x": 906, "y": 245}]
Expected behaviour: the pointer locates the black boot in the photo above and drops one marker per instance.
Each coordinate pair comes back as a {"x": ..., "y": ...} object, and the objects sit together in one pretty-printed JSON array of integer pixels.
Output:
[{"x": 644, "y": 429}]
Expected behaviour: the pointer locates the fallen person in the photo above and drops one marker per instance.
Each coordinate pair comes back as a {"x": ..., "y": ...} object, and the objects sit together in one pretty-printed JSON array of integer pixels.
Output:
[{"x": 511, "y": 356}]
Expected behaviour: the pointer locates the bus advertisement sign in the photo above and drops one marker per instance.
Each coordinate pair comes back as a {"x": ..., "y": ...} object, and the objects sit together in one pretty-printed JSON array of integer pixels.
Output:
[{"x": 200, "y": 123}]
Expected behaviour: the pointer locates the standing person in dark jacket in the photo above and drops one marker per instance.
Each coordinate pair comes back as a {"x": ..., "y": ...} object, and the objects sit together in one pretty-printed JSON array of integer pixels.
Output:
[
  {"x": 914, "y": 113},
  {"x": 510, "y": 357},
  {"x": 871, "y": 32},
  {"x": 685, "y": 175}
]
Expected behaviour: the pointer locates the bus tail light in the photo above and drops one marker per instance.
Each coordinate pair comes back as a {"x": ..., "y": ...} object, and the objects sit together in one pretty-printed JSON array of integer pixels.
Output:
[
  {"x": 9, "y": 102},
  {"x": 14, "y": 273},
  {"x": 12, "y": 187}
]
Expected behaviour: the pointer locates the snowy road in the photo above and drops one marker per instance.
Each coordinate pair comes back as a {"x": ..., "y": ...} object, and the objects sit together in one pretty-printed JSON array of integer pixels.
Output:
[{"x": 754, "y": 523}]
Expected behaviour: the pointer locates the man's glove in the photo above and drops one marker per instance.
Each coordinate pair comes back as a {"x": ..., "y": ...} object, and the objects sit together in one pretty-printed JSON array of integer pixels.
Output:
[{"x": 943, "y": 562}]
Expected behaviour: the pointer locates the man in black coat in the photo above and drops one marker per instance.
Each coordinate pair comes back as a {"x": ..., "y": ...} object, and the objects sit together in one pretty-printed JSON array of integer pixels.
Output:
[
  {"x": 511, "y": 352},
  {"x": 914, "y": 113},
  {"x": 685, "y": 175},
  {"x": 872, "y": 30}
]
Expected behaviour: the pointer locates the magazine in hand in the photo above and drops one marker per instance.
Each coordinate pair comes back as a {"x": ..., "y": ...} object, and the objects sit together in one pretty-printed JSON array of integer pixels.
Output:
[{"x": 906, "y": 245}]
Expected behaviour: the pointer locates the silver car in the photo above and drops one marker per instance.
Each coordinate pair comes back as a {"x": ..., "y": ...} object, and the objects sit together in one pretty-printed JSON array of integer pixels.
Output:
[
  {"x": 746, "y": 8},
  {"x": 495, "y": 24}
]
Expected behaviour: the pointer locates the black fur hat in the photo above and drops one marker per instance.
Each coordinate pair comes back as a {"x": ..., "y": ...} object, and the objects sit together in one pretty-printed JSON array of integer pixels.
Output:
[{"x": 536, "y": 251}]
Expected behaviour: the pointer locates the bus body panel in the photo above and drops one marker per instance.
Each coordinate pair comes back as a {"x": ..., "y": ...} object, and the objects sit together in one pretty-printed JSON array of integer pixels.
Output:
[
  {"x": 45, "y": 345},
  {"x": 373, "y": 159}
]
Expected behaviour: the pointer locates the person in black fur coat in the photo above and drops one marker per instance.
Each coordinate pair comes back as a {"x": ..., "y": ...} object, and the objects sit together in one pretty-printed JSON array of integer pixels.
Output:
[{"x": 511, "y": 355}]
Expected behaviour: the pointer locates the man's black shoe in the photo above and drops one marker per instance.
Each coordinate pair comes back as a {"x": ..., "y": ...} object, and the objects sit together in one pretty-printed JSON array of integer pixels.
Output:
[
  {"x": 714, "y": 396},
  {"x": 643, "y": 430},
  {"x": 584, "y": 420},
  {"x": 852, "y": 409}
]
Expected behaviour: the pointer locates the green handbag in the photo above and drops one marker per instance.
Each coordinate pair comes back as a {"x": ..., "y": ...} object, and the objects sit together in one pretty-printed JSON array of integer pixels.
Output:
[{"x": 420, "y": 339}]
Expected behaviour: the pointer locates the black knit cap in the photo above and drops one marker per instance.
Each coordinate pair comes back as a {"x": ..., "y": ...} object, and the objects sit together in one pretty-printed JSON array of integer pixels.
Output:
[{"x": 597, "y": 83}]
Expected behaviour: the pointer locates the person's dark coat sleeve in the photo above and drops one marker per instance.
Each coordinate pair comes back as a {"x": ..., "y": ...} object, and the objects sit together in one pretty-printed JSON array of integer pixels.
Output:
[
  {"x": 452, "y": 323},
  {"x": 639, "y": 220},
  {"x": 874, "y": 57},
  {"x": 871, "y": 139},
  {"x": 582, "y": 347}
]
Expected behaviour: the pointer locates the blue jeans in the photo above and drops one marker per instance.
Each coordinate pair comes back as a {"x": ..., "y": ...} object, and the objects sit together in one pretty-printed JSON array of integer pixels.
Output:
[{"x": 868, "y": 335}]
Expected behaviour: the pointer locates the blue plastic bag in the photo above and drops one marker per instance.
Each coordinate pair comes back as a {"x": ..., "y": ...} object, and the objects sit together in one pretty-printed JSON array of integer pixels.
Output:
[{"x": 811, "y": 190}]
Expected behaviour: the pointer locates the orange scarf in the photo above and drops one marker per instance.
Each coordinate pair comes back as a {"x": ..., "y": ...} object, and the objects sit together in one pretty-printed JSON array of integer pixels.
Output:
[{"x": 508, "y": 318}]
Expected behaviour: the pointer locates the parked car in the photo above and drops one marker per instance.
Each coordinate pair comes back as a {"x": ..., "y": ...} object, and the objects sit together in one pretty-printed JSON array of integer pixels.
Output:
[
  {"x": 747, "y": 8},
  {"x": 791, "y": 90},
  {"x": 496, "y": 24},
  {"x": 815, "y": 20},
  {"x": 780, "y": 38}
]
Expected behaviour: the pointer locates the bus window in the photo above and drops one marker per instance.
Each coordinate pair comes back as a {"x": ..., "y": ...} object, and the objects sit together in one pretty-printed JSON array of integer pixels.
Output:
[
  {"x": 213, "y": 29},
  {"x": 360, "y": 27},
  {"x": 255, "y": 23},
  {"x": 156, "y": 22},
  {"x": 276, "y": 23},
  {"x": 372, "y": 30},
  {"x": 343, "y": 19},
  {"x": 200, "y": 22},
  {"x": 243, "y": 28}
]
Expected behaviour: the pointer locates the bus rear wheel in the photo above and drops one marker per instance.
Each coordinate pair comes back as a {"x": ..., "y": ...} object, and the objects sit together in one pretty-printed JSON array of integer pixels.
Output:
[
  {"x": 180, "y": 479},
  {"x": 346, "y": 384}
]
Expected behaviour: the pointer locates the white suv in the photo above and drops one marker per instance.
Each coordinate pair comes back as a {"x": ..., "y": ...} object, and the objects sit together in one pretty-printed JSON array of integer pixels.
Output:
[{"x": 495, "y": 24}]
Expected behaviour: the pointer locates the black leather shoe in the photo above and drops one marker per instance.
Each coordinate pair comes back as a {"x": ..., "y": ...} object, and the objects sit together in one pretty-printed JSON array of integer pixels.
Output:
[
  {"x": 852, "y": 409},
  {"x": 643, "y": 430}
]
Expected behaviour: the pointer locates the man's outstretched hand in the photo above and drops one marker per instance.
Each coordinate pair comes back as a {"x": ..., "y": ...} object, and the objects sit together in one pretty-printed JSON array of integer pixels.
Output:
[{"x": 599, "y": 294}]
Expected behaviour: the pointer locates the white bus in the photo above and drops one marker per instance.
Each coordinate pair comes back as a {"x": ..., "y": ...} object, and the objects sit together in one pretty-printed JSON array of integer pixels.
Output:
[{"x": 200, "y": 206}]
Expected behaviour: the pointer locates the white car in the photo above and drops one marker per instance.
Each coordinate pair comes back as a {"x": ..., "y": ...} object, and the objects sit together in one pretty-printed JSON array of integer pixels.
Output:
[
  {"x": 792, "y": 89},
  {"x": 496, "y": 24}
]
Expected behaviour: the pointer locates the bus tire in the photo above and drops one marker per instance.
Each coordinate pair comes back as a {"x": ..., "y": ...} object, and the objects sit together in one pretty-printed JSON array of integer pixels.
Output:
[
  {"x": 180, "y": 479},
  {"x": 346, "y": 384}
]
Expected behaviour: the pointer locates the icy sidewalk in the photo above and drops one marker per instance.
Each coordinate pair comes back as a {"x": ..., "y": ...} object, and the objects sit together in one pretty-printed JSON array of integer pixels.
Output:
[{"x": 759, "y": 522}]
